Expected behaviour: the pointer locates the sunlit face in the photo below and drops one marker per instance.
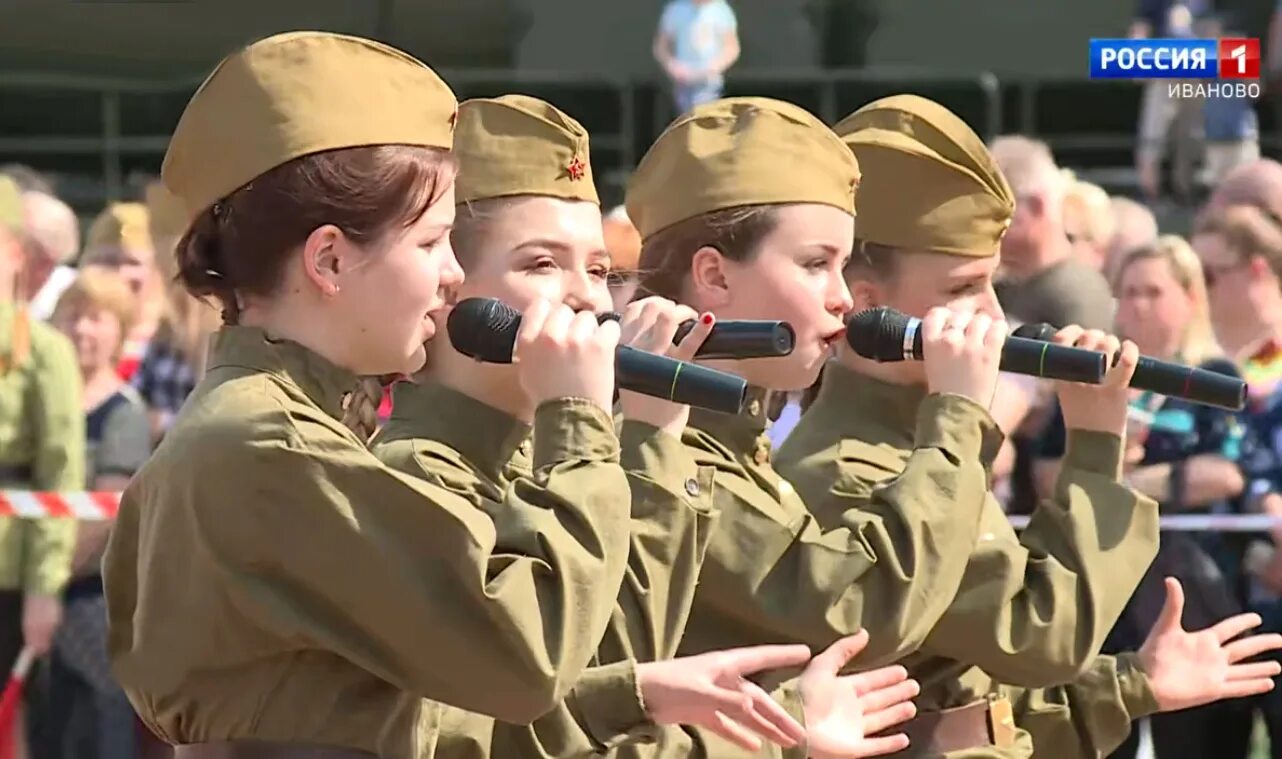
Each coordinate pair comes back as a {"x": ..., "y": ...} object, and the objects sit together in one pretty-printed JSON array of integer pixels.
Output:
[
  {"x": 95, "y": 333},
  {"x": 795, "y": 276},
  {"x": 1152, "y": 308},
  {"x": 541, "y": 248},
  {"x": 1229, "y": 283},
  {"x": 526, "y": 249},
  {"x": 385, "y": 301},
  {"x": 924, "y": 280}
]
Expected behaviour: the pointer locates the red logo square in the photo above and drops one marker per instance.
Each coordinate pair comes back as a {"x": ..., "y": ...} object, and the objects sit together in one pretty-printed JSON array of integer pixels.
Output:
[{"x": 1239, "y": 58}]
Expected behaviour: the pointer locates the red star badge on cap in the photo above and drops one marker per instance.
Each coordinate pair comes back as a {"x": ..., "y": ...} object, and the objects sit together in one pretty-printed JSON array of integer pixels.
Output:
[{"x": 577, "y": 169}]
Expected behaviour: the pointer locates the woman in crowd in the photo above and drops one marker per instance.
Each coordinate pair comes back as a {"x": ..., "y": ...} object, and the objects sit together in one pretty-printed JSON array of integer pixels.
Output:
[
  {"x": 175, "y": 357},
  {"x": 1184, "y": 456},
  {"x": 88, "y": 712},
  {"x": 1240, "y": 248},
  {"x": 120, "y": 240},
  {"x": 42, "y": 447}
]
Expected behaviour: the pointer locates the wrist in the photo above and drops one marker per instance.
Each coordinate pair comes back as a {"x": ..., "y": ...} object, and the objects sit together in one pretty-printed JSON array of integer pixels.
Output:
[
  {"x": 664, "y": 415},
  {"x": 1105, "y": 418}
]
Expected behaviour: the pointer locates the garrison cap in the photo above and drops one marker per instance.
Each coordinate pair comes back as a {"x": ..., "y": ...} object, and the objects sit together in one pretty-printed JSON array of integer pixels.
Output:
[
  {"x": 519, "y": 145},
  {"x": 295, "y": 94},
  {"x": 740, "y": 152},
  {"x": 929, "y": 182},
  {"x": 126, "y": 226}
]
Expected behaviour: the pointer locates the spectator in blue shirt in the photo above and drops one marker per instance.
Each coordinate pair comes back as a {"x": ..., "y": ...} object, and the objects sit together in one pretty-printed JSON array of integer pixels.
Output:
[
  {"x": 1161, "y": 114},
  {"x": 698, "y": 41}
]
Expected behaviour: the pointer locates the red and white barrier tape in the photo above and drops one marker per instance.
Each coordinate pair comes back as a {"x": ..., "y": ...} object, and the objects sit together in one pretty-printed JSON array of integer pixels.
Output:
[
  {"x": 1203, "y": 522},
  {"x": 30, "y": 504}
]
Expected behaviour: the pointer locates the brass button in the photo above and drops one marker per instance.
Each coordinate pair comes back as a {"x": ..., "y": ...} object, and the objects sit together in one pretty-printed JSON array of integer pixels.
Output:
[{"x": 692, "y": 487}]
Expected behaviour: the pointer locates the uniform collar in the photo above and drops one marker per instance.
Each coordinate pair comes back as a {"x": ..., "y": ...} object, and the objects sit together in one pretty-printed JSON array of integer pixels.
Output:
[
  {"x": 743, "y": 434},
  {"x": 849, "y": 395},
  {"x": 323, "y": 382},
  {"x": 489, "y": 439}
]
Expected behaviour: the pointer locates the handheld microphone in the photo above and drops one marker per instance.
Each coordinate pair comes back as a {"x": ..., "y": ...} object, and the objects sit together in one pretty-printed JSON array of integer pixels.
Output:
[
  {"x": 736, "y": 338},
  {"x": 884, "y": 334},
  {"x": 485, "y": 329},
  {"x": 1204, "y": 386}
]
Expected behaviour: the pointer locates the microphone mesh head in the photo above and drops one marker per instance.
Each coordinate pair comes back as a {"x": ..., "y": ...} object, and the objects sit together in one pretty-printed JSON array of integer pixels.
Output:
[
  {"x": 484, "y": 329},
  {"x": 878, "y": 333}
]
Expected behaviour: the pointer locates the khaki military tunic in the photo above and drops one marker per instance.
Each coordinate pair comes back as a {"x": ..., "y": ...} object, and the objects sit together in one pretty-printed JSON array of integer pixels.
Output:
[
  {"x": 471, "y": 449},
  {"x": 775, "y": 574},
  {"x": 269, "y": 578},
  {"x": 1032, "y": 610},
  {"x": 42, "y": 447}
]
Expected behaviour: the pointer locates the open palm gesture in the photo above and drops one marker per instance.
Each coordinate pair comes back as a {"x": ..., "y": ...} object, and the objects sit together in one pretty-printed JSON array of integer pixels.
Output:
[
  {"x": 1187, "y": 669},
  {"x": 842, "y": 711}
]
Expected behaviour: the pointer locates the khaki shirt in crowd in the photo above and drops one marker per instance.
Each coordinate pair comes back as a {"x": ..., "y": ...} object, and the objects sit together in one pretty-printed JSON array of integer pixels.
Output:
[
  {"x": 481, "y": 454},
  {"x": 42, "y": 447},
  {"x": 1032, "y": 610},
  {"x": 1069, "y": 292},
  {"x": 268, "y": 578}
]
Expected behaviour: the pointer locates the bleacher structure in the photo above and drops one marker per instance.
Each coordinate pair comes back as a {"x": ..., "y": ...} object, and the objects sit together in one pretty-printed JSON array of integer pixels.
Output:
[{"x": 95, "y": 134}]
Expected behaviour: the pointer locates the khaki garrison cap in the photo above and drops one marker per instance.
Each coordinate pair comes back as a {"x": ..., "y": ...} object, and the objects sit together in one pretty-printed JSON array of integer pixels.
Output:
[
  {"x": 929, "y": 183},
  {"x": 740, "y": 152},
  {"x": 121, "y": 225},
  {"x": 519, "y": 145},
  {"x": 12, "y": 217},
  {"x": 296, "y": 94}
]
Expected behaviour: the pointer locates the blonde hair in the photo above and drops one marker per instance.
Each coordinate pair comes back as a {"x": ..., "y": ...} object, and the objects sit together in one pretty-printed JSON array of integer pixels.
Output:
[
  {"x": 1198, "y": 344},
  {"x": 101, "y": 289},
  {"x": 1089, "y": 209}
]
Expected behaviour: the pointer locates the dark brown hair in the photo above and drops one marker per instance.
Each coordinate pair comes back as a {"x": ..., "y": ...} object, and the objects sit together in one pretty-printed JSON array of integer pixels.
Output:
[
  {"x": 667, "y": 255},
  {"x": 242, "y": 243}
]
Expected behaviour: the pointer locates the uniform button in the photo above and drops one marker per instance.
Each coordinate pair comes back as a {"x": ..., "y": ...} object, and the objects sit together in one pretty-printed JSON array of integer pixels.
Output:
[{"x": 692, "y": 487}]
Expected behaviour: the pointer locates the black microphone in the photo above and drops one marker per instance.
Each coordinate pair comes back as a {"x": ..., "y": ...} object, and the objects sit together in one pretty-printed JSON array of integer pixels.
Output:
[
  {"x": 884, "y": 334},
  {"x": 1204, "y": 386},
  {"x": 485, "y": 329},
  {"x": 736, "y": 338}
]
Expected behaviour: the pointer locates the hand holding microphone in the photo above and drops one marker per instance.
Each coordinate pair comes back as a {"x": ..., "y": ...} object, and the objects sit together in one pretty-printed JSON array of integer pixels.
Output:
[
  {"x": 652, "y": 325},
  {"x": 962, "y": 352},
  {"x": 565, "y": 355},
  {"x": 1211, "y": 388},
  {"x": 1103, "y": 407},
  {"x": 489, "y": 330}
]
